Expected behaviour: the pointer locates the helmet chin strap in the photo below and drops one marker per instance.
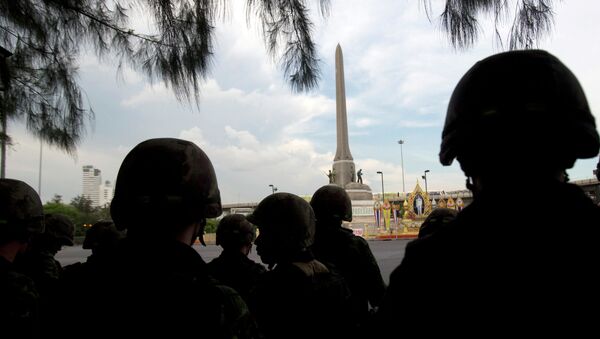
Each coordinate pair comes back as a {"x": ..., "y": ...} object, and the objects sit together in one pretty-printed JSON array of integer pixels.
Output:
[
  {"x": 470, "y": 185},
  {"x": 199, "y": 232}
]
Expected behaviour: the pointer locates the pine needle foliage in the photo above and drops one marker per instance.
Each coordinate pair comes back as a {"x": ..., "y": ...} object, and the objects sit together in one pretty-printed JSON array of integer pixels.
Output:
[{"x": 46, "y": 38}]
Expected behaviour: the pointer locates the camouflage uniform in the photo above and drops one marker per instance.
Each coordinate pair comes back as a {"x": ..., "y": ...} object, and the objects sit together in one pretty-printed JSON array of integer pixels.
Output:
[
  {"x": 154, "y": 283},
  {"x": 498, "y": 268},
  {"x": 20, "y": 218},
  {"x": 148, "y": 288},
  {"x": 437, "y": 219},
  {"x": 300, "y": 297},
  {"x": 349, "y": 254},
  {"x": 19, "y": 307}
]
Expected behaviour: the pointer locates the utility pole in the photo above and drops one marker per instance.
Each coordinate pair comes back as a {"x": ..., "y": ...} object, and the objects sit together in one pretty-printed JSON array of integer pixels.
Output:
[
  {"x": 382, "y": 190},
  {"x": 401, "y": 142},
  {"x": 4, "y": 85},
  {"x": 425, "y": 178}
]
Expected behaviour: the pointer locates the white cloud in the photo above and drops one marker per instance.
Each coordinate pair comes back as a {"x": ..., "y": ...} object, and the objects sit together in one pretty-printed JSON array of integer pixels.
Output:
[
  {"x": 151, "y": 94},
  {"x": 418, "y": 124},
  {"x": 244, "y": 138},
  {"x": 365, "y": 122},
  {"x": 194, "y": 135}
]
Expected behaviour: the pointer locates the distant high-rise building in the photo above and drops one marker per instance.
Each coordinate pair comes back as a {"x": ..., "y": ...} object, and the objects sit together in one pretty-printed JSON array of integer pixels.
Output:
[
  {"x": 91, "y": 184},
  {"x": 106, "y": 193}
]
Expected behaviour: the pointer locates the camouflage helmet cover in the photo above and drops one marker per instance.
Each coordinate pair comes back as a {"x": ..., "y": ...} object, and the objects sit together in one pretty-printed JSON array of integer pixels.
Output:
[
  {"x": 288, "y": 218},
  {"x": 20, "y": 207},
  {"x": 530, "y": 95},
  {"x": 162, "y": 179},
  {"x": 59, "y": 227},
  {"x": 331, "y": 202},
  {"x": 234, "y": 231}
]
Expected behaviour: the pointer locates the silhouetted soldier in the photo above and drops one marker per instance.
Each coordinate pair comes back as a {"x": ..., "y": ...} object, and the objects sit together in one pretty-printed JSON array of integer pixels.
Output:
[
  {"x": 349, "y": 254},
  {"x": 233, "y": 268},
  {"x": 102, "y": 239},
  {"x": 38, "y": 261},
  {"x": 299, "y": 297},
  {"x": 498, "y": 270},
  {"x": 21, "y": 216},
  {"x": 158, "y": 284}
]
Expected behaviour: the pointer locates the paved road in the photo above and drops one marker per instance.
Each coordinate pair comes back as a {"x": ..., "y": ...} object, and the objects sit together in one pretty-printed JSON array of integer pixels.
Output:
[{"x": 388, "y": 254}]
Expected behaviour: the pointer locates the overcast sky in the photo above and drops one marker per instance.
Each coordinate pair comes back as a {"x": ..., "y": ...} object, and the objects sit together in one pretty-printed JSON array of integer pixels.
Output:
[{"x": 399, "y": 71}]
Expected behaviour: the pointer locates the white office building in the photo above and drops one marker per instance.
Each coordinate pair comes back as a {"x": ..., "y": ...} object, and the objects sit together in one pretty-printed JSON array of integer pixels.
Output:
[
  {"x": 92, "y": 180},
  {"x": 107, "y": 192}
]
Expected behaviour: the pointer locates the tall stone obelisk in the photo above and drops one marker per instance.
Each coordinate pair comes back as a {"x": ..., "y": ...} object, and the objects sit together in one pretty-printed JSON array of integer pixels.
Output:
[{"x": 343, "y": 164}]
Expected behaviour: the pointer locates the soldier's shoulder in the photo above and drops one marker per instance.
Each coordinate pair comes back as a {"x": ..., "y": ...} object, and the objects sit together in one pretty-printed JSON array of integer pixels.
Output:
[{"x": 18, "y": 286}]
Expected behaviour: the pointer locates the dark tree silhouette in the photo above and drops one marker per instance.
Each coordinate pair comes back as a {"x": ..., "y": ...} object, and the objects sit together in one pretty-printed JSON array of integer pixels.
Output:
[
  {"x": 532, "y": 19},
  {"x": 47, "y": 36}
]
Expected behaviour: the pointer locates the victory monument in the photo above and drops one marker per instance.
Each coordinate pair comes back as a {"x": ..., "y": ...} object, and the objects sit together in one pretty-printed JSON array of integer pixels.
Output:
[{"x": 343, "y": 172}]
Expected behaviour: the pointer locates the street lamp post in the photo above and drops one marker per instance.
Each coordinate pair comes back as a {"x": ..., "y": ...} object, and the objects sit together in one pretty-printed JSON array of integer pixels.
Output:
[
  {"x": 401, "y": 142},
  {"x": 273, "y": 189},
  {"x": 425, "y": 178},
  {"x": 4, "y": 85},
  {"x": 382, "y": 190}
]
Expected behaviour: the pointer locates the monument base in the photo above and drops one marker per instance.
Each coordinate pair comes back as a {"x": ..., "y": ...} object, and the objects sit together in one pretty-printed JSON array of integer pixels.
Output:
[{"x": 358, "y": 191}]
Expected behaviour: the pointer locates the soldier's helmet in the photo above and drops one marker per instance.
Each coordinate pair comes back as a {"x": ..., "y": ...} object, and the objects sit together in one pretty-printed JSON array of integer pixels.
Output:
[
  {"x": 331, "y": 203},
  {"x": 102, "y": 234},
  {"x": 234, "y": 231},
  {"x": 437, "y": 219},
  {"x": 286, "y": 224},
  {"x": 164, "y": 182},
  {"x": 21, "y": 212},
  {"x": 525, "y": 106},
  {"x": 60, "y": 228}
]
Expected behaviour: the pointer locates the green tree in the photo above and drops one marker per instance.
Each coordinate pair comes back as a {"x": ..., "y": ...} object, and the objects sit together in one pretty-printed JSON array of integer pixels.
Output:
[
  {"x": 532, "y": 20},
  {"x": 211, "y": 226},
  {"x": 57, "y": 199},
  {"x": 60, "y": 208},
  {"x": 82, "y": 204},
  {"x": 80, "y": 211},
  {"x": 78, "y": 217},
  {"x": 46, "y": 36},
  {"x": 102, "y": 213}
]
